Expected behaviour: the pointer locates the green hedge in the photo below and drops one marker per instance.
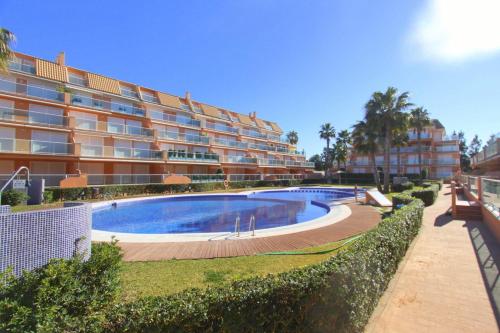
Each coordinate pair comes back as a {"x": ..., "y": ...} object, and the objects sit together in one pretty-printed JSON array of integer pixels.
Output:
[
  {"x": 402, "y": 187},
  {"x": 116, "y": 191},
  {"x": 63, "y": 296},
  {"x": 336, "y": 295},
  {"x": 427, "y": 195},
  {"x": 14, "y": 198}
]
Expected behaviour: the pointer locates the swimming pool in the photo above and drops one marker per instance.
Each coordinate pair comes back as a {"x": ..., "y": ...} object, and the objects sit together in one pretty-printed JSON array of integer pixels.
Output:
[{"x": 216, "y": 213}]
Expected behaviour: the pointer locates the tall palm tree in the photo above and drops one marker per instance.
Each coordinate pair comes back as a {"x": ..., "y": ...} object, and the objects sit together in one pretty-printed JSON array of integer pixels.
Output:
[
  {"x": 344, "y": 140},
  {"x": 6, "y": 37},
  {"x": 385, "y": 110},
  {"x": 365, "y": 141},
  {"x": 419, "y": 119},
  {"x": 292, "y": 137},
  {"x": 327, "y": 132}
]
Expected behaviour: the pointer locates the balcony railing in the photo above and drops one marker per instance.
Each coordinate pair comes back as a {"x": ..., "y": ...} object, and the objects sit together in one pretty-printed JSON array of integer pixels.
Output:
[
  {"x": 221, "y": 128},
  {"x": 180, "y": 155},
  {"x": 80, "y": 100},
  {"x": 115, "y": 128},
  {"x": 175, "y": 119},
  {"x": 230, "y": 143},
  {"x": 21, "y": 67},
  {"x": 261, "y": 146},
  {"x": 9, "y": 145},
  {"x": 31, "y": 91},
  {"x": 253, "y": 134},
  {"x": 270, "y": 162},
  {"x": 32, "y": 117},
  {"x": 447, "y": 149},
  {"x": 414, "y": 136},
  {"x": 119, "y": 152},
  {"x": 184, "y": 137},
  {"x": 239, "y": 160}
]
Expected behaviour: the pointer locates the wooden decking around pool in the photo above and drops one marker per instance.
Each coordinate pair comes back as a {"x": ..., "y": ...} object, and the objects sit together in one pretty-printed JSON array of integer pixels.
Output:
[{"x": 363, "y": 218}]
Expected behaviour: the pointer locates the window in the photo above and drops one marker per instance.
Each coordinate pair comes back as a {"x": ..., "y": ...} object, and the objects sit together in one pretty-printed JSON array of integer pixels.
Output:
[
  {"x": 84, "y": 120},
  {"x": 128, "y": 91},
  {"x": 197, "y": 109},
  {"x": 185, "y": 107},
  {"x": 41, "y": 114},
  {"x": 7, "y": 139},
  {"x": 149, "y": 97},
  {"x": 77, "y": 79}
]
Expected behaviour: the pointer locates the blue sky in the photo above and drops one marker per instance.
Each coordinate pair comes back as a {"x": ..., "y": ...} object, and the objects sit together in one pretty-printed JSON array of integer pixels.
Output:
[{"x": 300, "y": 63}]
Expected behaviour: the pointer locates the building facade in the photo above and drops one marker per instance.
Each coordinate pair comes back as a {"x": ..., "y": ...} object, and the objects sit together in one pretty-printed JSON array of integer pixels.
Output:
[
  {"x": 440, "y": 154},
  {"x": 487, "y": 161},
  {"x": 59, "y": 120}
]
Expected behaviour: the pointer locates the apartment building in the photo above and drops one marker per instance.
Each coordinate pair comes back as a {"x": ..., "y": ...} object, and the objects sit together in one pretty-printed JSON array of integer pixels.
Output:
[
  {"x": 487, "y": 161},
  {"x": 58, "y": 120},
  {"x": 440, "y": 154}
]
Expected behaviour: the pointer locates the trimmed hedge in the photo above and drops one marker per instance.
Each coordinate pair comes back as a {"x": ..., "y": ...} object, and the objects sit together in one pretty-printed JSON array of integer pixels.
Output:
[
  {"x": 336, "y": 295},
  {"x": 402, "y": 187},
  {"x": 428, "y": 195},
  {"x": 115, "y": 191},
  {"x": 14, "y": 198}
]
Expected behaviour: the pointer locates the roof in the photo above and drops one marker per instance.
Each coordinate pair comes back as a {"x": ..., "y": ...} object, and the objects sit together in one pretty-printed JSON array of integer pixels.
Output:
[
  {"x": 437, "y": 123},
  {"x": 53, "y": 71}
]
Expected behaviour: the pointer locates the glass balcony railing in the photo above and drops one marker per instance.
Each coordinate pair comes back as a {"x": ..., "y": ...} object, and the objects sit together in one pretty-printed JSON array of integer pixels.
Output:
[
  {"x": 119, "y": 152},
  {"x": 157, "y": 115},
  {"x": 28, "y": 90},
  {"x": 222, "y": 128},
  {"x": 115, "y": 128},
  {"x": 413, "y": 136},
  {"x": 149, "y": 98},
  {"x": 261, "y": 147},
  {"x": 230, "y": 143},
  {"x": 189, "y": 138},
  {"x": 25, "y": 116},
  {"x": 253, "y": 134},
  {"x": 270, "y": 162},
  {"x": 129, "y": 93},
  {"x": 80, "y": 100},
  {"x": 447, "y": 161},
  {"x": 240, "y": 160},
  {"x": 180, "y": 155},
  {"x": 9, "y": 145},
  {"x": 21, "y": 67},
  {"x": 491, "y": 195},
  {"x": 447, "y": 149}
]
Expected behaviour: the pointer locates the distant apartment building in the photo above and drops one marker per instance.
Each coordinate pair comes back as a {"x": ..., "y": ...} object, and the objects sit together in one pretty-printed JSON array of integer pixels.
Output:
[
  {"x": 487, "y": 161},
  {"x": 440, "y": 154},
  {"x": 58, "y": 120}
]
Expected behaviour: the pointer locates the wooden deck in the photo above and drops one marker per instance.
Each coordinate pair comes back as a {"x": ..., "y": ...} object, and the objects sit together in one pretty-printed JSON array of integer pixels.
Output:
[{"x": 363, "y": 218}]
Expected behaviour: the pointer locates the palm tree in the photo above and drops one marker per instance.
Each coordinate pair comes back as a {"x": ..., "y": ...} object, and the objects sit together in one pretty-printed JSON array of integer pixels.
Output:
[
  {"x": 292, "y": 137},
  {"x": 400, "y": 139},
  {"x": 365, "y": 141},
  {"x": 6, "y": 37},
  {"x": 385, "y": 110},
  {"x": 419, "y": 119},
  {"x": 343, "y": 140},
  {"x": 327, "y": 132}
]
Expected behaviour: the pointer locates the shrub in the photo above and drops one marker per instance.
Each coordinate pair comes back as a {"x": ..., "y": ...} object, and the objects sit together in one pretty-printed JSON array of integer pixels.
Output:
[
  {"x": 427, "y": 195},
  {"x": 401, "y": 199},
  {"x": 63, "y": 296},
  {"x": 48, "y": 196},
  {"x": 402, "y": 187},
  {"x": 13, "y": 197},
  {"x": 336, "y": 295}
]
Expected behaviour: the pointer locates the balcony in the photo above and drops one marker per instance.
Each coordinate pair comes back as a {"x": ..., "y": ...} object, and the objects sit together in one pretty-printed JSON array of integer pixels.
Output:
[
  {"x": 188, "y": 138},
  {"x": 25, "y": 116},
  {"x": 446, "y": 149},
  {"x": 186, "y": 121},
  {"x": 230, "y": 143},
  {"x": 180, "y": 155},
  {"x": 21, "y": 146},
  {"x": 221, "y": 128},
  {"x": 114, "y": 128},
  {"x": 423, "y": 136},
  {"x": 29, "y": 90},
  {"x": 270, "y": 162},
  {"x": 261, "y": 147},
  {"x": 21, "y": 67},
  {"x": 447, "y": 162},
  {"x": 411, "y": 149},
  {"x": 119, "y": 152},
  {"x": 80, "y": 100},
  {"x": 239, "y": 160},
  {"x": 253, "y": 134}
]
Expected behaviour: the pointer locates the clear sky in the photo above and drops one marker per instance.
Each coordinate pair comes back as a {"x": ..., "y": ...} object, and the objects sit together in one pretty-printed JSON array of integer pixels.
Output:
[{"x": 300, "y": 63}]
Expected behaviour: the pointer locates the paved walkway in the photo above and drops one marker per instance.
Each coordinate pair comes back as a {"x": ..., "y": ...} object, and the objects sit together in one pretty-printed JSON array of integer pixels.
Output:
[
  {"x": 363, "y": 218},
  {"x": 448, "y": 280}
]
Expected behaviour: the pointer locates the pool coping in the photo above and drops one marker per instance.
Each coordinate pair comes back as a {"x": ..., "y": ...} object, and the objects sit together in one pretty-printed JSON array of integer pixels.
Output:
[{"x": 341, "y": 212}]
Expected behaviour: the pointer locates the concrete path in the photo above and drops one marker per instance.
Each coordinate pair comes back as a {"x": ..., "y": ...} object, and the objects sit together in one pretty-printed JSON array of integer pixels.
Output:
[{"x": 448, "y": 280}]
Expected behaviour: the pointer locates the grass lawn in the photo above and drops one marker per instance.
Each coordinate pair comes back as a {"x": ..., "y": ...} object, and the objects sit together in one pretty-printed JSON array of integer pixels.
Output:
[{"x": 154, "y": 278}]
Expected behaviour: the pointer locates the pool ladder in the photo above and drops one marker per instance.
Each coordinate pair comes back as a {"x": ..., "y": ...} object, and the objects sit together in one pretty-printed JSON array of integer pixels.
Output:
[{"x": 251, "y": 226}]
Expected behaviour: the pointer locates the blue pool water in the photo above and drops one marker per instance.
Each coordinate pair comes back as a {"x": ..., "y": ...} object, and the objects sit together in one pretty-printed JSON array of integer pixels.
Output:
[{"x": 215, "y": 213}]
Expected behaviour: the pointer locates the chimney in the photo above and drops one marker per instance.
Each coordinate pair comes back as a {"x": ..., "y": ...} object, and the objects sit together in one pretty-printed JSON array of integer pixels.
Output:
[
  {"x": 188, "y": 96},
  {"x": 60, "y": 59},
  {"x": 252, "y": 114}
]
